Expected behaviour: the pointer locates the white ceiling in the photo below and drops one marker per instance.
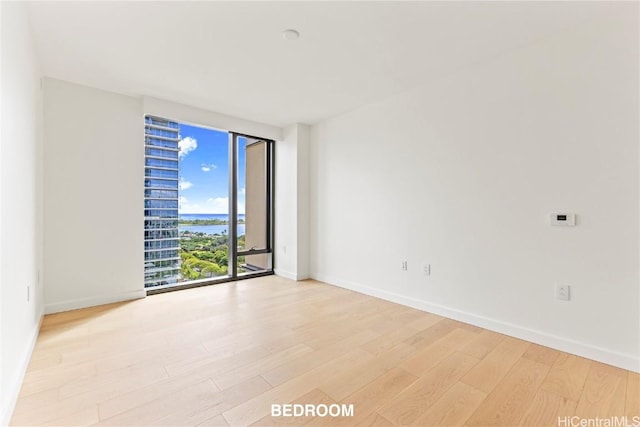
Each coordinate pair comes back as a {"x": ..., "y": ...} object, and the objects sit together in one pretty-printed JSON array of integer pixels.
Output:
[{"x": 230, "y": 57}]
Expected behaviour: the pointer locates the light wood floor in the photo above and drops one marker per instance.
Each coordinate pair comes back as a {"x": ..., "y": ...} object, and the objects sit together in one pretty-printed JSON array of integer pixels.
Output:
[{"x": 221, "y": 355}]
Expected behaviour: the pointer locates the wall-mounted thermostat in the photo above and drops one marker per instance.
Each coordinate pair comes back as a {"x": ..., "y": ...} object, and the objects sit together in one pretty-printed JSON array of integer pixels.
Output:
[{"x": 563, "y": 219}]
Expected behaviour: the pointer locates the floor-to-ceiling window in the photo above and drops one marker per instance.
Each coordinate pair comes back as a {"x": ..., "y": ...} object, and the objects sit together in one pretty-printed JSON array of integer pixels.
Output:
[{"x": 208, "y": 205}]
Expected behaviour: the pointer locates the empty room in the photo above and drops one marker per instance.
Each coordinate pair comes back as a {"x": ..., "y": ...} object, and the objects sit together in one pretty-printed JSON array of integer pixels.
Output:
[{"x": 368, "y": 213}]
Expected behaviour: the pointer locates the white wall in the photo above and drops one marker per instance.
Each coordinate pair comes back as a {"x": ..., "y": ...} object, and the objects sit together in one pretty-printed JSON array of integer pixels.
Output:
[
  {"x": 197, "y": 116},
  {"x": 286, "y": 201},
  {"x": 20, "y": 211},
  {"x": 292, "y": 203},
  {"x": 94, "y": 175},
  {"x": 93, "y": 198},
  {"x": 303, "y": 206},
  {"x": 463, "y": 173}
]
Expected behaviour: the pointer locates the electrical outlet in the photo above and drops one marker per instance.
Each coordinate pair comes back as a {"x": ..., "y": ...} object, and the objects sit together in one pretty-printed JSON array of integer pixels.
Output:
[
  {"x": 563, "y": 292},
  {"x": 404, "y": 266},
  {"x": 426, "y": 269}
]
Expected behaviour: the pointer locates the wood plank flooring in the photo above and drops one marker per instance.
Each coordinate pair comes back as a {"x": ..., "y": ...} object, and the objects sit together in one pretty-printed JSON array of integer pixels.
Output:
[{"x": 222, "y": 355}]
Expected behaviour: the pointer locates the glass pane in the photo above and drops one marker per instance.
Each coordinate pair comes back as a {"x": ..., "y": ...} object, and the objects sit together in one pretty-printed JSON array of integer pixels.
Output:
[
  {"x": 252, "y": 194},
  {"x": 159, "y": 224},
  {"x": 155, "y": 131},
  {"x": 161, "y": 163},
  {"x": 254, "y": 263},
  {"x": 161, "y": 194},
  {"x": 161, "y": 234},
  {"x": 158, "y": 152},
  {"x": 160, "y": 122},
  {"x": 160, "y": 183},
  {"x": 161, "y": 173},
  {"x": 160, "y": 213},
  {"x": 161, "y": 204},
  {"x": 157, "y": 142},
  {"x": 204, "y": 203}
]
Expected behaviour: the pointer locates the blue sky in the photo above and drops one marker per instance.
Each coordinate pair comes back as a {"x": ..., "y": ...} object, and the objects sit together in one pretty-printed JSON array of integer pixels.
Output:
[{"x": 204, "y": 171}]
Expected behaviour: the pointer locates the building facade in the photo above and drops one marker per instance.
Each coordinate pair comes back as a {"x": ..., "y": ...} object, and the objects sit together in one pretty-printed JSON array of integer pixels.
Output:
[{"x": 161, "y": 181}]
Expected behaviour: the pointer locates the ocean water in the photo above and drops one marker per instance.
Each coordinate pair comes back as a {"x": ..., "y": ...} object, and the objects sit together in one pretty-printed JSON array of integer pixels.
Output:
[
  {"x": 207, "y": 216},
  {"x": 210, "y": 229}
]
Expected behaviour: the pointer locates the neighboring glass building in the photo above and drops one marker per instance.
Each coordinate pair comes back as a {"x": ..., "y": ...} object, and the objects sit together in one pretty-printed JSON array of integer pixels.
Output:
[{"x": 161, "y": 237}]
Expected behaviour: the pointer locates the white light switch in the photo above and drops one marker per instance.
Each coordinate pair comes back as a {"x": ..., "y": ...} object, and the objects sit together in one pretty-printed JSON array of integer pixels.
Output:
[{"x": 561, "y": 219}]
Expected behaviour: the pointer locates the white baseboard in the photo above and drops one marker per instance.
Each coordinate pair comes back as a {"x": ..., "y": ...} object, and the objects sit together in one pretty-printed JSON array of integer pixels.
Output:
[
  {"x": 93, "y": 301},
  {"x": 14, "y": 388},
  {"x": 625, "y": 361},
  {"x": 285, "y": 274},
  {"x": 290, "y": 275}
]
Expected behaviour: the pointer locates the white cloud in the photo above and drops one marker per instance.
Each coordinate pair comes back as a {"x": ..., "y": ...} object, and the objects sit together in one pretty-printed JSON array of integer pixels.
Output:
[
  {"x": 190, "y": 208},
  {"x": 185, "y": 184},
  {"x": 182, "y": 202},
  {"x": 218, "y": 204},
  {"x": 221, "y": 205},
  {"x": 187, "y": 145},
  {"x": 242, "y": 190},
  {"x": 207, "y": 167}
]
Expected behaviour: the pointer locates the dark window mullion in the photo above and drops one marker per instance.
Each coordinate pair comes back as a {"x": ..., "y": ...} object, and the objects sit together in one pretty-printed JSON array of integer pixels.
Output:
[{"x": 232, "y": 264}]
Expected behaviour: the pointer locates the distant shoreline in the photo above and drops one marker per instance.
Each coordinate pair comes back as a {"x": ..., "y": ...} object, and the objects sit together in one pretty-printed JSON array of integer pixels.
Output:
[
  {"x": 212, "y": 221},
  {"x": 207, "y": 215}
]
